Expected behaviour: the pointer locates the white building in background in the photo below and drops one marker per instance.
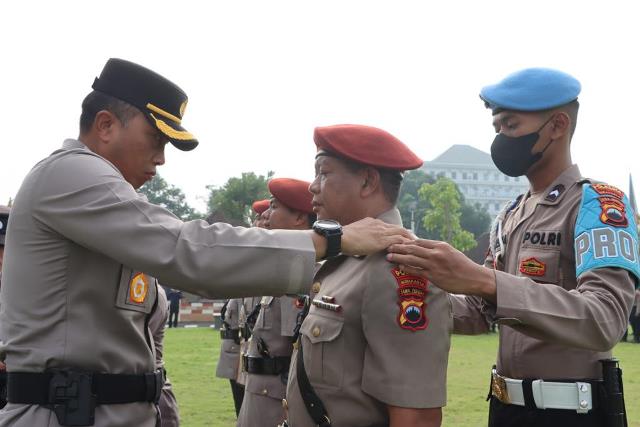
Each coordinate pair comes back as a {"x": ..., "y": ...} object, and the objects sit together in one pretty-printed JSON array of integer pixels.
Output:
[{"x": 477, "y": 177}]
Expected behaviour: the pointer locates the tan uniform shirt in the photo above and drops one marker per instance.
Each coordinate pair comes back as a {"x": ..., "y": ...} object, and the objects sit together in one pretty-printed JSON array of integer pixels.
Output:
[
  {"x": 552, "y": 324},
  {"x": 229, "y": 349},
  {"x": 262, "y": 404},
  {"x": 168, "y": 405},
  {"x": 246, "y": 308},
  {"x": 72, "y": 296},
  {"x": 388, "y": 345}
]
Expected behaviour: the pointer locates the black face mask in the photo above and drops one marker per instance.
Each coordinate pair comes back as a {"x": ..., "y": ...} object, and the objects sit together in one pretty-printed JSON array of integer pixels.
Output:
[{"x": 512, "y": 154}]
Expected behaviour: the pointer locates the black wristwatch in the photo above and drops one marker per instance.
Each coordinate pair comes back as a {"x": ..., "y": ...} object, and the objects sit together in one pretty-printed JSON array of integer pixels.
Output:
[{"x": 332, "y": 231}]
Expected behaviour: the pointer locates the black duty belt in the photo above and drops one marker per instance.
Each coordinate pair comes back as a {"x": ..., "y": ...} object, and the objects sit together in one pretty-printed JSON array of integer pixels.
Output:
[
  {"x": 51, "y": 388},
  {"x": 230, "y": 334},
  {"x": 266, "y": 365}
]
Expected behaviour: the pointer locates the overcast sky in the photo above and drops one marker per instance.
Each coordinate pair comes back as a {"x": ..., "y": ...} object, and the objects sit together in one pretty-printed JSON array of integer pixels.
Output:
[{"x": 260, "y": 75}]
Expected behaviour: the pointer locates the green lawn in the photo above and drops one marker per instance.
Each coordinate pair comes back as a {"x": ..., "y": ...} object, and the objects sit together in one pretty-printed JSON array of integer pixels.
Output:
[{"x": 191, "y": 357}]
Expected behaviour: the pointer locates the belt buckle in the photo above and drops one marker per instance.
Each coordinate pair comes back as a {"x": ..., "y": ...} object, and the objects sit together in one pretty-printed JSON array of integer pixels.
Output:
[{"x": 499, "y": 387}]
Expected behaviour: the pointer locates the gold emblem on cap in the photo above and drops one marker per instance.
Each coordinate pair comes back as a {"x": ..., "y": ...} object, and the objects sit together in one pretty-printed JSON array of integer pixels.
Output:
[{"x": 183, "y": 107}]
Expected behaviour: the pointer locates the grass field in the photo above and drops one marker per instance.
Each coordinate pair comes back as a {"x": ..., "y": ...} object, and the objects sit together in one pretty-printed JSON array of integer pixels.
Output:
[{"x": 191, "y": 356}]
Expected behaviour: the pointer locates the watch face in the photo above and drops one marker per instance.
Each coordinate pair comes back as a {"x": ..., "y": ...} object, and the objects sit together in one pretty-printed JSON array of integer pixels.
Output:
[{"x": 327, "y": 224}]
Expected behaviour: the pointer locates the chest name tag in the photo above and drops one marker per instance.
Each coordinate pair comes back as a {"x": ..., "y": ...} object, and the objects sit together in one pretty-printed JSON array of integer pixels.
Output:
[
  {"x": 606, "y": 233},
  {"x": 542, "y": 238}
]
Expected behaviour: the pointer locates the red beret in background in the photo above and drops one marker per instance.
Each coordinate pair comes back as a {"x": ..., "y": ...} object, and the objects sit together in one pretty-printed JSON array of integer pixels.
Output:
[
  {"x": 367, "y": 145},
  {"x": 293, "y": 193},
  {"x": 260, "y": 206}
]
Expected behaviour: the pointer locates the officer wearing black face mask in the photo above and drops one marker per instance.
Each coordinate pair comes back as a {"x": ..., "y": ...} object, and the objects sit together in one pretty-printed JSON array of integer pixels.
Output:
[{"x": 560, "y": 272}]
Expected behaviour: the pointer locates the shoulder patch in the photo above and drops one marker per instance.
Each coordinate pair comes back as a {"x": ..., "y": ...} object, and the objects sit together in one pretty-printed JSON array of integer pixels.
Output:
[
  {"x": 412, "y": 291},
  {"x": 138, "y": 288},
  {"x": 606, "y": 234}
]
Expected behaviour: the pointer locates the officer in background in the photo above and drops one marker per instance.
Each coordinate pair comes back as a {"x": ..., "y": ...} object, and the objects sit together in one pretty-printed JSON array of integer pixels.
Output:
[
  {"x": 168, "y": 405},
  {"x": 4, "y": 221},
  {"x": 562, "y": 266},
  {"x": 249, "y": 309},
  {"x": 269, "y": 353},
  {"x": 82, "y": 247},
  {"x": 260, "y": 208},
  {"x": 229, "y": 363},
  {"x": 250, "y": 306},
  {"x": 173, "y": 296},
  {"x": 229, "y": 360},
  {"x": 373, "y": 353}
]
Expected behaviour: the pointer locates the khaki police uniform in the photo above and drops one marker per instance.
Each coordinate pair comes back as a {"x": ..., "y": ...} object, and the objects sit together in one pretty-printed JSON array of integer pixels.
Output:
[
  {"x": 385, "y": 345},
  {"x": 168, "y": 405},
  {"x": 73, "y": 292},
  {"x": 229, "y": 361},
  {"x": 262, "y": 404},
  {"x": 230, "y": 348},
  {"x": 246, "y": 309},
  {"x": 545, "y": 331}
]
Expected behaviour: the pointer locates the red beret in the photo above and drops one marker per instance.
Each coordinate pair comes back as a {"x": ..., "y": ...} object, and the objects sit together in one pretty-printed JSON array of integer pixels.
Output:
[
  {"x": 368, "y": 145},
  {"x": 260, "y": 206},
  {"x": 293, "y": 193}
]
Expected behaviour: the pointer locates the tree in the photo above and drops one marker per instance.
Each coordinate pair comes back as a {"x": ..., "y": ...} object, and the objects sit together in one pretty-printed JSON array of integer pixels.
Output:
[
  {"x": 444, "y": 214},
  {"x": 233, "y": 201},
  {"x": 160, "y": 192},
  {"x": 409, "y": 201},
  {"x": 474, "y": 218}
]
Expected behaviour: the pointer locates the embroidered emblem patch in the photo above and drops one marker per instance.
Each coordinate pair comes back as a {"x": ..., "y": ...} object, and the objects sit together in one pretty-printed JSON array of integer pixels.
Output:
[
  {"x": 533, "y": 267},
  {"x": 600, "y": 244},
  {"x": 555, "y": 193},
  {"x": 613, "y": 211},
  {"x": 412, "y": 291},
  {"x": 138, "y": 288}
]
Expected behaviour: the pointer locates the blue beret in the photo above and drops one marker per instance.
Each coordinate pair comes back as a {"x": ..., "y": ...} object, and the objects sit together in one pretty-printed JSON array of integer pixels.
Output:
[{"x": 532, "y": 89}]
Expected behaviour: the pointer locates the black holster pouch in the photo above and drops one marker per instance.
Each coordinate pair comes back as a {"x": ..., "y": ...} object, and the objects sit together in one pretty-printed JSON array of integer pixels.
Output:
[
  {"x": 72, "y": 398},
  {"x": 612, "y": 394}
]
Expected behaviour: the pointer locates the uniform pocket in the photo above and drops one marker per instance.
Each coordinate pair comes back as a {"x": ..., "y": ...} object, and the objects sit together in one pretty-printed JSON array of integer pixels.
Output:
[
  {"x": 541, "y": 265},
  {"x": 136, "y": 291},
  {"x": 325, "y": 356}
]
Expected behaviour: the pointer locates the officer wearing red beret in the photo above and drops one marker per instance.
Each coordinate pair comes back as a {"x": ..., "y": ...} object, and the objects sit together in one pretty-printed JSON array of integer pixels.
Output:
[
  {"x": 269, "y": 354},
  {"x": 237, "y": 324},
  {"x": 260, "y": 208},
  {"x": 374, "y": 352}
]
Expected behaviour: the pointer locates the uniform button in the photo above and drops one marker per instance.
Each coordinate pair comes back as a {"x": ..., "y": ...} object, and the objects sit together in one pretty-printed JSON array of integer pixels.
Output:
[
  {"x": 264, "y": 391},
  {"x": 316, "y": 332},
  {"x": 316, "y": 287}
]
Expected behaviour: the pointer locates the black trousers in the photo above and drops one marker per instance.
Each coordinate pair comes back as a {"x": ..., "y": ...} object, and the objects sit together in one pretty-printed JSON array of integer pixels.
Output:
[
  {"x": 237, "y": 391},
  {"x": 173, "y": 318},
  {"x": 501, "y": 415}
]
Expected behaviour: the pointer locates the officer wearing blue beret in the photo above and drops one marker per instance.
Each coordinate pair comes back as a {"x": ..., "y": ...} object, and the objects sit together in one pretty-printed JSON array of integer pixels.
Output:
[{"x": 560, "y": 272}]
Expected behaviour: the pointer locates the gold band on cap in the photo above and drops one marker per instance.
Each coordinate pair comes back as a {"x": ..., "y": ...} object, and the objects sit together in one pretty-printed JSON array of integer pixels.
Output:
[
  {"x": 171, "y": 132},
  {"x": 163, "y": 113}
]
